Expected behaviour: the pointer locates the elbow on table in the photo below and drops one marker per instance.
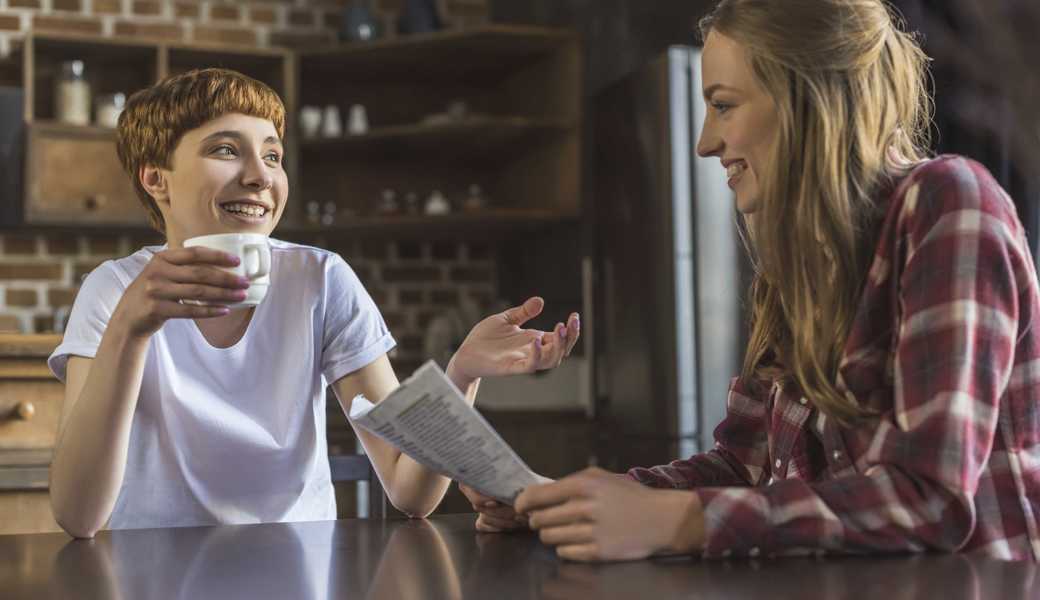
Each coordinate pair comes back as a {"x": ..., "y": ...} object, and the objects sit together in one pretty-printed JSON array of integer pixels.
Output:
[
  {"x": 70, "y": 517},
  {"x": 74, "y": 525},
  {"x": 411, "y": 509}
]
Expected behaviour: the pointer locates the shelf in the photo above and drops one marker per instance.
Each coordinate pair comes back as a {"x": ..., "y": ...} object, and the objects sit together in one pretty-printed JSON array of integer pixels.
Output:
[
  {"x": 454, "y": 56},
  {"x": 476, "y": 140},
  {"x": 490, "y": 224},
  {"x": 59, "y": 129},
  {"x": 486, "y": 224}
]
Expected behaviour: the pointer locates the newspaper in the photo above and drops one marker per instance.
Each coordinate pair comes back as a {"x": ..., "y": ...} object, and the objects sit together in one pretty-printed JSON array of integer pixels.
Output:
[{"x": 428, "y": 419}]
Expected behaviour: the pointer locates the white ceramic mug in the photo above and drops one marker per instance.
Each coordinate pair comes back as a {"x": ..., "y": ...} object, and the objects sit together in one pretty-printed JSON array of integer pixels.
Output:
[{"x": 254, "y": 253}]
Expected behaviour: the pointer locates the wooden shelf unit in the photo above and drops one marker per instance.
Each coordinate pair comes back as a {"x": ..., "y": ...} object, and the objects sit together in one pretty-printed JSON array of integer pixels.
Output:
[{"x": 520, "y": 139}]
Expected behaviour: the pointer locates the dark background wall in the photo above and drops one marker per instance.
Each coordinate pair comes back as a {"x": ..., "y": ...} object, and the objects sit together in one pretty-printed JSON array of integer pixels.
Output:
[
  {"x": 623, "y": 34},
  {"x": 619, "y": 34}
]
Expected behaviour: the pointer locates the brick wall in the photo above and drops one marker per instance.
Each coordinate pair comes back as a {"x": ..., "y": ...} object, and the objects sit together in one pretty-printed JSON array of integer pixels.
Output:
[
  {"x": 286, "y": 23},
  {"x": 410, "y": 281}
]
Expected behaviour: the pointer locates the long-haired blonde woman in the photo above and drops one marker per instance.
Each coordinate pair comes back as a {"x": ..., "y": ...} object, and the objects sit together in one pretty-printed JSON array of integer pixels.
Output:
[{"x": 889, "y": 396}]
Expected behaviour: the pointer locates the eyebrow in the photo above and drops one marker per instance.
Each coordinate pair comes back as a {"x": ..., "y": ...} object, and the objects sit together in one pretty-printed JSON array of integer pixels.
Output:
[
  {"x": 271, "y": 139},
  {"x": 711, "y": 89}
]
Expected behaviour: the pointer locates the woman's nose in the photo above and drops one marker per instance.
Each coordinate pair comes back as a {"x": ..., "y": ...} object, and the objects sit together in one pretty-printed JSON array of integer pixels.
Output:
[
  {"x": 256, "y": 175},
  {"x": 709, "y": 144}
]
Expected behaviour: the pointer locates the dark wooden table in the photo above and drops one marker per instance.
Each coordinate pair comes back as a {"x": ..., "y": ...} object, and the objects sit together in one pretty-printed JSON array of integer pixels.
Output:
[{"x": 444, "y": 558}]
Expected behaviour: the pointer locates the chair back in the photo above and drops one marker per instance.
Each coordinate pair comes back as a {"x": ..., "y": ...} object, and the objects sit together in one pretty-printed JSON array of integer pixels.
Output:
[{"x": 357, "y": 467}]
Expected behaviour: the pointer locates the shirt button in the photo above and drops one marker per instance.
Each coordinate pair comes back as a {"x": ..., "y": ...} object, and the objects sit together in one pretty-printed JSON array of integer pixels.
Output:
[
  {"x": 778, "y": 463},
  {"x": 837, "y": 455},
  {"x": 754, "y": 552},
  {"x": 802, "y": 401}
]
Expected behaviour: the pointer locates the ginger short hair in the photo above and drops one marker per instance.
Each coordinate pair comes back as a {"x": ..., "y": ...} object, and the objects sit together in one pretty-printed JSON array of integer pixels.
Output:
[{"x": 157, "y": 117}]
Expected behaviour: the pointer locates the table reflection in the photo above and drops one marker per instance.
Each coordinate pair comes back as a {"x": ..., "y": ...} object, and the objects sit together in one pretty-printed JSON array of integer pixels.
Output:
[
  {"x": 951, "y": 577},
  {"x": 269, "y": 561},
  {"x": 445, "y": 558}
]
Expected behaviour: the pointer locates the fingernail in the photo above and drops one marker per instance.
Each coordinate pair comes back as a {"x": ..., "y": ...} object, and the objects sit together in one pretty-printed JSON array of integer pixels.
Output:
[
  {"x": 243, "y": 281},
  {"x": 234, "y": 259},
  {"x": 563, "y": 332},
  {"x": 490, "y": 504}
]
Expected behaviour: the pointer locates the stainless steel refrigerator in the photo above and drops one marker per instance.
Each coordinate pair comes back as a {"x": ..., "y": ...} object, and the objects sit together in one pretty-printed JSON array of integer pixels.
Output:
[{"x": 668, "y": 275}]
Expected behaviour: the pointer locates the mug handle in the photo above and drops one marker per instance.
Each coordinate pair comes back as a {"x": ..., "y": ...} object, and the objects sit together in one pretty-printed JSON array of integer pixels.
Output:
[{"x": 263, "y": 260}]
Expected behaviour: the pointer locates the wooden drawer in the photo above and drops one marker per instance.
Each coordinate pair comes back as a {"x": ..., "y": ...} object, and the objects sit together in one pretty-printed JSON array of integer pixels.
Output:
[
  {"x": 27, "y": 511},
  {"x": 30, "y": 396},
  {"x": 74, "y": 176},
  {"x": 29, "y": 413}
]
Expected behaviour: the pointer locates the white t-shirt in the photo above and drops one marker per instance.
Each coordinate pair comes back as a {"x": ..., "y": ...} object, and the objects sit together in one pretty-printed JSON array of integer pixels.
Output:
[{"x": 236, "y": 435}]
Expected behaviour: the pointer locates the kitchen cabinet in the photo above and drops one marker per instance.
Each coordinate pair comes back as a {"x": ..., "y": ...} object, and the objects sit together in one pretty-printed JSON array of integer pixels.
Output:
[{"x": 30, "y": 407}]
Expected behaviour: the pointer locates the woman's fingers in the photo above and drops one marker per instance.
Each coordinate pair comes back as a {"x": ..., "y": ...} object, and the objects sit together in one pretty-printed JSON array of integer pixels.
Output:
[
  {"x": 573, "y": 332},
  {"x": 542, "y": 496},
  {"x": 552, "y": 348},
  {"x": 197, "y": 291},
  {"x": 493, "y": 525},
  {"x": 575, "y": 533},
  {"x": 168, "y": 309},
  {"x": 199, "y": 254},
  {"x": 574, "y": 511},
  {"x": 501, "y": 524},
  {"x": 531, "y": 308},
  {"x": 204, "y": 274},
  {"x": 579, "y": 552}
]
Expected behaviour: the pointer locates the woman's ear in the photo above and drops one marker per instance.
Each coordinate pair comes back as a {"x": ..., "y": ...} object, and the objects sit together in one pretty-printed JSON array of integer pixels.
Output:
[{"x": 154, "y": 182}]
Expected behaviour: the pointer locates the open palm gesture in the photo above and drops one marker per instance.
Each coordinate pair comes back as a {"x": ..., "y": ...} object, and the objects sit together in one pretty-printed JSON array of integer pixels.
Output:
[{"x": 499, "y": 346}]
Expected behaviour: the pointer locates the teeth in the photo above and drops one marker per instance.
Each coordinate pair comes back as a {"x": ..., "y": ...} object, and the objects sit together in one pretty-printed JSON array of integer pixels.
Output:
[
  {"x": 251, "y": 210},
  {"x": 736, "y": 169}
]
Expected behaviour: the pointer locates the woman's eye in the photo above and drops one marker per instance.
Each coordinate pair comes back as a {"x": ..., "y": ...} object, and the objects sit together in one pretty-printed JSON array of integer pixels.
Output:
[
  {"x": 224, "y": 151},
  {"x": 274, "y": 157},
  {"x": 720, "y": 107}
]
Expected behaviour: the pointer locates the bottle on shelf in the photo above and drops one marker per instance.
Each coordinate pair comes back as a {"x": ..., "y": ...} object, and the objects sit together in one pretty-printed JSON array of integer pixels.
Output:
[
  {"x": 411, "y": 203},
  {"x": 109, "y": 107},
  {"x": 72, "y": 97},
  {"x": 475, "y": 200},
  {"x": 388, "y": 204},
  {"x": 314, "y": 212},
  {"x": 328, "y": 213}
]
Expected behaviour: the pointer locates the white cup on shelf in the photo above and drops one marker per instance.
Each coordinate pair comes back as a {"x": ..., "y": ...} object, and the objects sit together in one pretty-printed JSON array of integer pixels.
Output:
[
  {"x": 310, "y": 121},
  {"x": 331, "y": 124}
]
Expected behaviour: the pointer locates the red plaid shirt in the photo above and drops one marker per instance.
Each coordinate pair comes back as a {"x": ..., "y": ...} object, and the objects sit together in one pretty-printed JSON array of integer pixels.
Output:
[{"x": 943, "y": 346}]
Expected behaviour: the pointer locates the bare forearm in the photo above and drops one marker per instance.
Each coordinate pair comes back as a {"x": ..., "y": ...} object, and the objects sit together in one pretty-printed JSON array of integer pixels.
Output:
[
  {"x": 90, "y": 454},
  {"x": 411, "y": 487}
]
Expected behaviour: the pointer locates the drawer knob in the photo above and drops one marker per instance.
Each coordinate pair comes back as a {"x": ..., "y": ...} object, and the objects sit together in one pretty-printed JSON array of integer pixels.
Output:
[
  {"x": 94, "y": 202},
  {"x": 25, "y": 410}
]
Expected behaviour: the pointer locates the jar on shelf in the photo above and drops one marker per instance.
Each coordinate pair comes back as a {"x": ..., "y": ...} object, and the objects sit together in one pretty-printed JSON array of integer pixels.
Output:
[
  {"x": 475, "y": 200},
  {"x": 314, "y": 212},
  {"x": 72, "y": 96},
  {"x": 328, "y": 213},
  {"x": 108, "y": 109},
  {"x": 388, "y": 204},
  {"x": 411, "y": 203}
]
